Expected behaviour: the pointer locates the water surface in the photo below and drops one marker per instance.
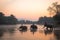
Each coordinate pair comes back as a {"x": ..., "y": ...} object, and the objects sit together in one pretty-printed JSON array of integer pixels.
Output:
[{"x": 11, "y": 32}]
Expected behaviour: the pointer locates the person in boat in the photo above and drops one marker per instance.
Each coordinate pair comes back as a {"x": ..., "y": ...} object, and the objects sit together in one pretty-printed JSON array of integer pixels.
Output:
[
  {"x": 22, "y": 27},
  {"x": 48, "y": 25},
  {"x": 33, "y": 26}
]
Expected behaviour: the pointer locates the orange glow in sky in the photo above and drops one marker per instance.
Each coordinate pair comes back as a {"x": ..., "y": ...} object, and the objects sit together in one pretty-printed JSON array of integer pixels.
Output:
[{"x": 26, "y": 9}]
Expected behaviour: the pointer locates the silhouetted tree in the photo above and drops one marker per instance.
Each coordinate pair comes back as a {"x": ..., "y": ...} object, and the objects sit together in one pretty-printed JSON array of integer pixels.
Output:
[
  {"x": 7, "y": 19},
  {"x": 53, "y": 9},
  {"x": 1, "y": 18},
  {"x": 1, "y": 14},
  {"x": 12, "y": 19},
  {"x": 57, "y": 18},
  {"x": 56, "y": 10}
]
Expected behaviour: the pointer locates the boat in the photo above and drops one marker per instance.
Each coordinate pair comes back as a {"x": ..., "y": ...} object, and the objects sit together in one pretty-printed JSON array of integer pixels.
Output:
[
  {"x": 48, "y": 25},
  {"x": 33, "y": 27},
  {"x": 23, "y": 28}
]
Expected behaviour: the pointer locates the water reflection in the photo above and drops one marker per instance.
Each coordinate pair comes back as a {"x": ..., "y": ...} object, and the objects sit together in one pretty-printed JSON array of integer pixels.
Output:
[
  {"x": 4, "y": 29},
  {"x": 10, "y": 32},
  {"x": 23, "y": 30},
  {"x": 33, "y": 31},
  {"x": 1, "y": 32},
  {"x": 48, "y": 31},
  {"x": 33, "y": 28},
  {"x": 57, "y": 34}
]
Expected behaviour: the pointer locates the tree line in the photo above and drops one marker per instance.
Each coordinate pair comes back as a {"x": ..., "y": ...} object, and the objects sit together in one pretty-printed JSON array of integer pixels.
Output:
[
  {"x": 54, "y": 10},
  {"x": 7, "y": 19}
]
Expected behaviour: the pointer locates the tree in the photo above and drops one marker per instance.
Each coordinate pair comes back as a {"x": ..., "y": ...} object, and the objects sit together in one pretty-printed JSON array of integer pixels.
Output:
[
  {"x": 1, "y": 14},
  {"x": 1, "y": 18},
  {"x": 56, "y": 9},
  {"x": 53, "y": 8},
  {"x": 13, "y": 19},
  {"x": 7, "y": 19}
]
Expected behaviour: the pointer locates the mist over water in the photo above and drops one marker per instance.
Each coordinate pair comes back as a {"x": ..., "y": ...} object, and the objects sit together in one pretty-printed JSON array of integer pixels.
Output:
[{"x": 12, "y": 32}]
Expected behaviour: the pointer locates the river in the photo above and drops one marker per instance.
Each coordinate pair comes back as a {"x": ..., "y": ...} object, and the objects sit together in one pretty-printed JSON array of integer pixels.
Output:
[{"x": 11, "y": 32}]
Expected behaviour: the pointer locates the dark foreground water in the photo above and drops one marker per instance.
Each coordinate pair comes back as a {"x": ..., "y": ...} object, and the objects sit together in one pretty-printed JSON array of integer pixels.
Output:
[{"x": 11, "y": 32}]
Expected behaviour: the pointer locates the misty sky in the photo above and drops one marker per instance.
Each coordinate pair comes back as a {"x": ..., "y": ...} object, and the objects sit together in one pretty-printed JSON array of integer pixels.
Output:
[{"x": 26, "y": 9}]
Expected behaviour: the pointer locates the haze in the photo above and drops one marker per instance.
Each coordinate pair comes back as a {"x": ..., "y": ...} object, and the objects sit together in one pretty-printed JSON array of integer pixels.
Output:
[{"x": 26, "y": 9}]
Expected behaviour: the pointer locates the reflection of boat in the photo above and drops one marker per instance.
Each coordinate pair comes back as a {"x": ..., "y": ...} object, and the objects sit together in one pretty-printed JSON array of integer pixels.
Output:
[
  {"x": 33, "y": 27},
  {"x": 47, "y": 31},
  {"x": 33, "y": 30},
  {"x": 23, "y": 28}
]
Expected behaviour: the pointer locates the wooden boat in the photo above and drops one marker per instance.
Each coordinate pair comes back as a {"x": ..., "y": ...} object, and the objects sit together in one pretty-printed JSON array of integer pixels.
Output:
[
  {"x": 33, "y": 27},
  {"x": 48, "y": 25},
  {"x": 23, "y": 28}
]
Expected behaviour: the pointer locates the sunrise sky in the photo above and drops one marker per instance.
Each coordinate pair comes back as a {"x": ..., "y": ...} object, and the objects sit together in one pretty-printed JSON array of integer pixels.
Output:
[{"x": 26, "y": 9}]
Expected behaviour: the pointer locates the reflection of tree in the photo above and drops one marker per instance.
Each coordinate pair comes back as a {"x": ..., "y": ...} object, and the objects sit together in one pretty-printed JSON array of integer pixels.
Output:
[
  {"x": 2, "y": 32},
  {"x": 57, "y": 34},
  {"x": 11, "y": 30}
]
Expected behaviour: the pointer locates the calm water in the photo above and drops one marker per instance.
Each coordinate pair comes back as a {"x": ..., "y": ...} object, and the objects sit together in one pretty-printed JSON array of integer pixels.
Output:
[{"x": 11, "y": 32}]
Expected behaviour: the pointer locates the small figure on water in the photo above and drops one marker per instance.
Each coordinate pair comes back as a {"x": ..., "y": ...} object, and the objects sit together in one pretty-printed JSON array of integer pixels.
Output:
[
  {"x": 48, "y": 25},
  {"x": 23, "y": 28},
  {"x": 33, "y": 27}
]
